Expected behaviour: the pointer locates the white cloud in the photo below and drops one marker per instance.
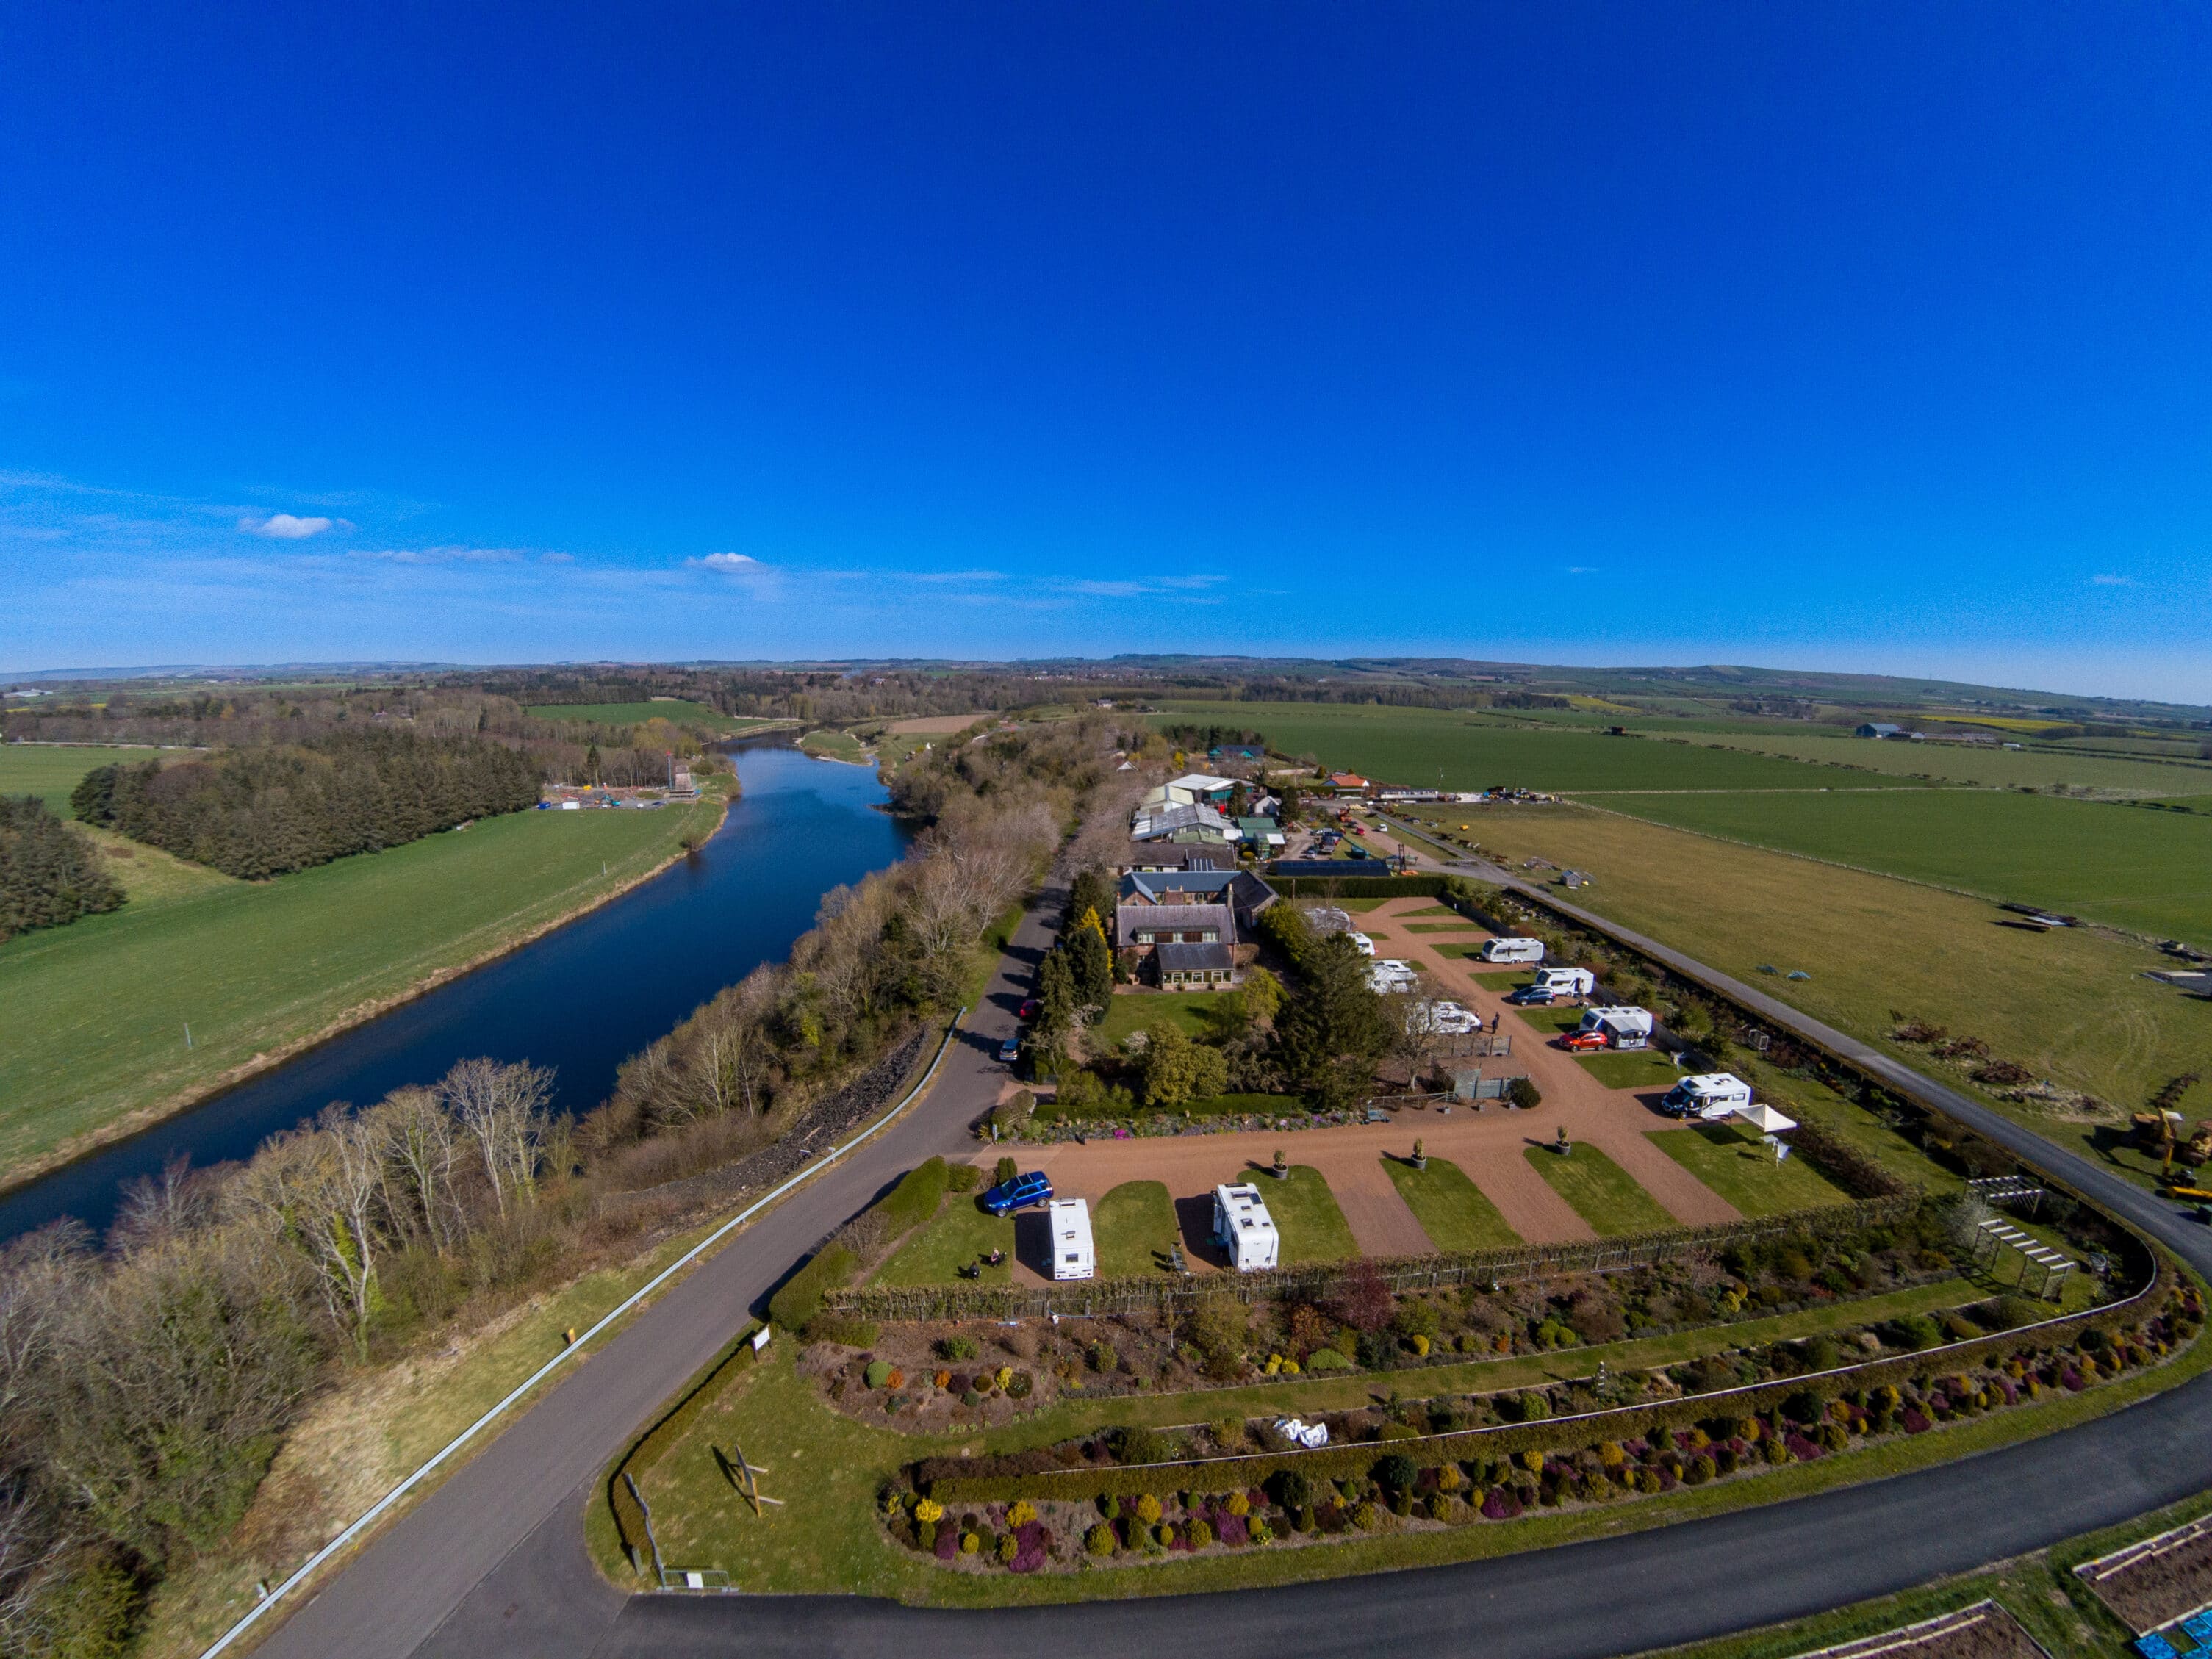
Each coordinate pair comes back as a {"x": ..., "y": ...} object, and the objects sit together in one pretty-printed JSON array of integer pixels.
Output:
[
  {"x": 2112, "y": 581},
  {"x": 732, "y": 564},
  {"x": 285, "y": 527},
  {"x": 556, "y": 558}
]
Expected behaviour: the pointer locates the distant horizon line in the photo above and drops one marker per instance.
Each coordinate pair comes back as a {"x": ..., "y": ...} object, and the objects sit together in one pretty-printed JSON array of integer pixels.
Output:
[{"x": 1929, "y": 685}]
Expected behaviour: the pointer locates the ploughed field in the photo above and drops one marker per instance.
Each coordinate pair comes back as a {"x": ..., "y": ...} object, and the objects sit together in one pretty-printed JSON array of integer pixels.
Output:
[{"x": 97, "y": 1010}]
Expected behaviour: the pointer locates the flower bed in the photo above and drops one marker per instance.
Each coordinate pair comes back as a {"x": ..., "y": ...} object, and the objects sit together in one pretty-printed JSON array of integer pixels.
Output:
[{"x": 1405, "y": 1480}]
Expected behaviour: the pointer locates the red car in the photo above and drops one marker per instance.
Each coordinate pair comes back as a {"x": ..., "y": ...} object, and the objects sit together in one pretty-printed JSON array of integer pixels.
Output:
[
  {"x": 1581, "y": 1042},
  {"x": 1029, "y": 1010},
  {"x": 1355, "y": 828}
]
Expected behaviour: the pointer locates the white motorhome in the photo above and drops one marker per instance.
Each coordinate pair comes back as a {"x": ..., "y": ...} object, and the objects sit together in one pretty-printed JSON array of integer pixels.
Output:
[
  {"x": 1566, "y": 982},
  {"x": 1622, "y": 1027},
  {"x": 1073, "y": 1255},
  {"x": 1362, "y": 944},
  {"x": 1243, "y": 1227},
  {"x": 1706, "y": 1095},
  {"x": 1449, "y": 1019},
  {"x": 1513, "y": 950},
  {"x": 1389, "y": 974}
]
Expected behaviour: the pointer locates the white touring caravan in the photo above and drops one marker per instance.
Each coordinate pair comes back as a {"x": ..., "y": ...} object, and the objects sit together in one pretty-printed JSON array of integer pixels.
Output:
[
  {"x": 1706, "y": 1095},
  {"x": 1621, "y": 1028},
  {"x": 1243, "y": 1227},
  {"x": 1513, "y": 950},
  {"x": 1566, "y": 982},
  {"x": 1072, "y": 1254}
]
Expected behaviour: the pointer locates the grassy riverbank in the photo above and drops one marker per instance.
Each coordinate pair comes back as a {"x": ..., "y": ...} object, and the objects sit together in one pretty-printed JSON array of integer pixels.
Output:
[{"x": 97, "y": 1010}]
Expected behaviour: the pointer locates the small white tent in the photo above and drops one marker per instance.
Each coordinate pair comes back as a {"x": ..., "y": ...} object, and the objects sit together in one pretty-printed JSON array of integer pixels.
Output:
[{"x": 1766, "y": 1119}]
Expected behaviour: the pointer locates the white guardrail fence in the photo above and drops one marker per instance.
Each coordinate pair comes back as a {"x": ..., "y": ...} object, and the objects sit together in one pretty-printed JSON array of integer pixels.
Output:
[{"x": 377, "y": 1510}]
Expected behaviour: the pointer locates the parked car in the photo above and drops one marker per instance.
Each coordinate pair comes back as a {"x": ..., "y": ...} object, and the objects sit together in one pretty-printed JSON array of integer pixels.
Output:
[
  {"x": 1355, "y": 828},
  {"x": 1010, "y": 1051},
  {"x": 1583, "y": 1042},
  {"x": 1031, "y": 1008},
  {"x": 1534, "y": 996},
  {"x": 1031, "y": 1187}
]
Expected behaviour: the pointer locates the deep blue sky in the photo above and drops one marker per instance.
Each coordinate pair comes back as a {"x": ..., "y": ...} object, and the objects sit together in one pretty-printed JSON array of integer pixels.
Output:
[{"x": 1853, "y": 336}]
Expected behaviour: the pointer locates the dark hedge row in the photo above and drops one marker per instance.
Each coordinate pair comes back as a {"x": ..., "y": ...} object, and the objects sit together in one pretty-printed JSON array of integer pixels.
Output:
[
  {"x": 954, "y": 1481},
  {"x": 50, "y": 875},
  {"x": 259, "y": 812},
  {"x": 1358, "y": 886}
]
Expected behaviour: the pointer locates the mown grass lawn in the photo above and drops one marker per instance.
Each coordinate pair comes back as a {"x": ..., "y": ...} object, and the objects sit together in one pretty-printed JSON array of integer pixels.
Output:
[
  {"x": 1732, "y": 1162},
  {"x": 51, "y": 774},
  {"x": 1133, "y": 1228},
  {"x": 97, "y": 1011},
  {"x": 1600, "y": 1191},
  {"x": 1450, "y": 1208},
  {"x": 957, "y": 1236},
  {"x": 1306, "y": 1215},
  {"x": 1639, "y": 1068},
  {"x": 835, "y": 746},
  {"x": 1440, "y": 927},
  {"x": 1147, "y": 1011}
]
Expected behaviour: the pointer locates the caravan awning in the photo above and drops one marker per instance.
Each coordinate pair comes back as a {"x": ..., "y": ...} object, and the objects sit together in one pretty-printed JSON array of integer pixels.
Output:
[{"x": 1766, "y": 1119}]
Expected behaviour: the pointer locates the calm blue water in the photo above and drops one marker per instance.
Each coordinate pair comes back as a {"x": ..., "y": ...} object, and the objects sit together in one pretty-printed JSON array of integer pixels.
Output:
[{"x": 580, "y": 999}]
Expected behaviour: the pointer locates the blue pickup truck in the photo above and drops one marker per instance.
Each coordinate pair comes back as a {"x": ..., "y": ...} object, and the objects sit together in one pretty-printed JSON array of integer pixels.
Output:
[{"x": 1021, "y": 1192}]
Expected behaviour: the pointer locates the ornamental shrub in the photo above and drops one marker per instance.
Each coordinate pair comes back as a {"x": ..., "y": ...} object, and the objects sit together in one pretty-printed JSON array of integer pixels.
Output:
[
  {"x": 1500, "y": 1504},
  {"x": 1701, "y": 1469},
  {"x": 1239, "y": 1503},
  {"x": 1291, "y": 1488},
  {"x": 1201, "y": 1534},
  {"x": 1365, "y": 1517},
  {"x": 1002, "y": 1377},
  {"x": 1100, "y": 1540},
  {"x": 1329, "y": 1359},
  {"x": 1018, "y": 1386},
  {"x": 1021, "y": 1512},
  {"x": 925, "y": 1537},
  {"x": 929, "y": 1511},
  {"x": 1009, "y": 1547},
  {"x": 1262, "y": 1533},
  {"x": 1776, "y": 1452},
  {"x": 1532, "y": 1461},
  {"x": 878, "y": 1374},
  {"x": 1611, "y": 1456},
  {"x": 897, "y": 1379},
  {"x": 1449, "y": 1479},
  {"x": 963, "y": 1178},
  {"x": 1647, "y": 1481},
  {"x": 1148, "y": 1510},
  {"x": 1165, "y": 1532},
  {"x": 955, "y": 1348},
  {"x": 969, "y": 1543}
]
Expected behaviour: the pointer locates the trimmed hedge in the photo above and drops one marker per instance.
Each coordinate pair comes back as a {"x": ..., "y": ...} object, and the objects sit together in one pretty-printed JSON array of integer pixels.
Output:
[
  {"x": 1359, "y": 886},
  {"x": 630, "y": 1518},
  {"x": 943, "y": 1477},
  {"x": 800, "y": 1298},
  {"x": 916, "y": 1199}
]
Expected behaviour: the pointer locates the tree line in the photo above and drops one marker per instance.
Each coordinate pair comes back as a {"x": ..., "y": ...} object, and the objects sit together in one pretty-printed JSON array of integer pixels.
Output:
[
  {"x": 50, "y": 875},
  {"x": 266, "y": 811},
  {"x": 147, "y": 1383}
]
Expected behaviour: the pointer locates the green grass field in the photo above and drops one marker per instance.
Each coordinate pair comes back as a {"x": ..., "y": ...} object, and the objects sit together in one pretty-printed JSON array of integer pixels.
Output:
[
  {"x": 1305, "y": 1213},
  {"x": 1450, "y": 1208},
  {"x": 2151, "y": 872},
  {"x": 2071, "y": 1004},
  {"x": 835, "y": 746},
  {"x": 1639, "y": 1068},
  {"x": 1731, "y": 1161},
  {"x": 97, "y": 1011},
  {"x": 51, "y": 774},
  {"x": 1457, "y": 750},
  {"x": 1133, "y": 1228},
  {"x": 2003, "y": 769},
  {"x": 1600, "y": 1191}
]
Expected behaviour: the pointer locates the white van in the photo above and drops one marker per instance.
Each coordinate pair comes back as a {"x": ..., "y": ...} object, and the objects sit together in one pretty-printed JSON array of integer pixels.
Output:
[
  {"x": 1621, "y": 1028},
  {"x": 1513, "y": 950},
  {"x": 1566, "y": 982},
  {"x": 1072, "y": 1254},
  {"x": 1706, "y": 1095}
]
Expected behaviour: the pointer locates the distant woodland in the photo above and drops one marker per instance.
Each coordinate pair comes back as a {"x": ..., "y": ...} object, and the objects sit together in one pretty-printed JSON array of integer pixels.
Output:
[
  {"x": 264, "y": 811},
  {"x": 49, "y": 874}
]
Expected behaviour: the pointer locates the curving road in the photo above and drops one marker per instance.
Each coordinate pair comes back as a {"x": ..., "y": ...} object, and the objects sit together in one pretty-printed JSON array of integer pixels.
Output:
[{"x": 493, "y": 1563}]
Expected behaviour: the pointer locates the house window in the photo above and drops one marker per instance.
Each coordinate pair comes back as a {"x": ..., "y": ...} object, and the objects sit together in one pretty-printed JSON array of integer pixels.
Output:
[
  {"x": 1211, "y": 936},
  {"x": 1144, "y": 938}
]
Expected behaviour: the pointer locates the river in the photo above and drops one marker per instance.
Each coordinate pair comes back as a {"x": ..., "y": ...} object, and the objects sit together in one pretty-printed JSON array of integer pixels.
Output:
[{"x": 580, "y": 999}]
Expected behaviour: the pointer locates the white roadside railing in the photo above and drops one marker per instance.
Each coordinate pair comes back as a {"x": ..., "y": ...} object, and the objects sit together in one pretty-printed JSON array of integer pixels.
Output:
[{"x": 378, "y": 1510}]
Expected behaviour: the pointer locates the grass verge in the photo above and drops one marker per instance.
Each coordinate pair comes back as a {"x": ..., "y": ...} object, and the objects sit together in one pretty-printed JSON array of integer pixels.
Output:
[
  {"x": 1599, "y": 1190},
  {"x": 1450, "y": 1208}
]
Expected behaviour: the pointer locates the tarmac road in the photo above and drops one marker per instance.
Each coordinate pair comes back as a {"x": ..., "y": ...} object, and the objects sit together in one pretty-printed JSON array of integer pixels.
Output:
[{"x": 494, "y": 1562}]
